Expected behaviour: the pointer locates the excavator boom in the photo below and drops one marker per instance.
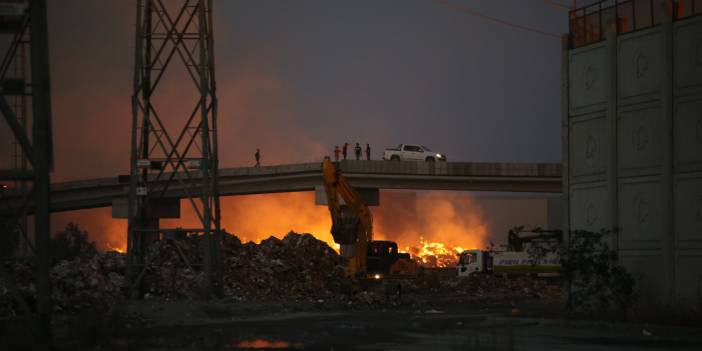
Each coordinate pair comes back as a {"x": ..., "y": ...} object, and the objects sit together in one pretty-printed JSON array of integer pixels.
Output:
[{"x": 352, "y": 222}]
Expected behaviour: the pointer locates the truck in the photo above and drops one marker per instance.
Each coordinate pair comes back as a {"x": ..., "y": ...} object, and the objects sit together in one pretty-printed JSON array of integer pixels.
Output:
[
  {"x": 407, "y": 152},
  {"x": 515, "y": 258}
]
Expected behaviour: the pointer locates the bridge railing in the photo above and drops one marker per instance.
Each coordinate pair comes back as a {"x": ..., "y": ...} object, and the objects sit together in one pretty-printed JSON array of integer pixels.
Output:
[{"x": 460, "y": 169}]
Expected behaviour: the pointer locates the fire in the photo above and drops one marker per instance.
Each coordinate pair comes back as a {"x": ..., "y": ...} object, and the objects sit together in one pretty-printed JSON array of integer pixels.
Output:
[
  {"x": 434, "y": 254},
  {"x": 120, "y": 248},
  {"x": 432, "y": 226}
]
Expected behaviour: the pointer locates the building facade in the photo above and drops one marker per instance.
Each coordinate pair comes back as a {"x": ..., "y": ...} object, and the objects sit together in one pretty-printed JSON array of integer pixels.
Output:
[{"x": 632, "y": 129}]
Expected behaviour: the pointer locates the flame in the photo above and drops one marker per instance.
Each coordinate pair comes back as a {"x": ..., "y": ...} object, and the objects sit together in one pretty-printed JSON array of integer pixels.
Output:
[
  {"x": 431, "y": 226},
  {"x": 435, "y": 254},
  {"x": 121, "y": 248}
]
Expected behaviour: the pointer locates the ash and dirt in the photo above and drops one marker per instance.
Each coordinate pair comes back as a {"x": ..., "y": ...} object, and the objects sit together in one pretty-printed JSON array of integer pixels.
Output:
[{"x": 291, "y": 293}]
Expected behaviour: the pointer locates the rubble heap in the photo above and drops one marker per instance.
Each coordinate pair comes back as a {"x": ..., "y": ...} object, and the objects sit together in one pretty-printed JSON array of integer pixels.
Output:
[
  {"x": 83, "y": 282},
  {"x": 93, "y": 282},
  {"x": 171, "y": 272},
  {"x": 495, "y": 287},
  {"x": 298, "y": 267}
]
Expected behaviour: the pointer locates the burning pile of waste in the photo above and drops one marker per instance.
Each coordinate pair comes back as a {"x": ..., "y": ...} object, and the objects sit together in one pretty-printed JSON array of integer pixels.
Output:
[{"x": 434, "y": 254}]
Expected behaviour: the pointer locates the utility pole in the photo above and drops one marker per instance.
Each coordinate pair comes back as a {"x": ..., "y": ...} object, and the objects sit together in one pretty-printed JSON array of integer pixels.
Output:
[{"x": 166, "y": 160}]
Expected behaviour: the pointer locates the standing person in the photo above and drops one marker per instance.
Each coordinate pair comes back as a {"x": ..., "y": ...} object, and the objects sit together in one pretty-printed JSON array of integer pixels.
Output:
[
  {"x": 367, "y": 151},
  {"x": 344, "y": 149},
  {"x": 357, "y": 149},
  {"x": 257, "y": 155},
  {"x": 336, "y": 153}
]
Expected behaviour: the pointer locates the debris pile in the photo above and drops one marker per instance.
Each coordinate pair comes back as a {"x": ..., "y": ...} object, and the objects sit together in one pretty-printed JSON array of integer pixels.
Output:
[
  {"x": 297, "y": 267},
  {"x": 94, "y": 282},
  {"x": 493, "y": 287},
  {"x": 170, "y": 269},
  {"x": 84, "y": 282}
]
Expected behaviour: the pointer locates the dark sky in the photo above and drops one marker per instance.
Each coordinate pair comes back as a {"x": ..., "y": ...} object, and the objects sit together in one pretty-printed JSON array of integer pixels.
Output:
[{"x": 297, "y": 77}]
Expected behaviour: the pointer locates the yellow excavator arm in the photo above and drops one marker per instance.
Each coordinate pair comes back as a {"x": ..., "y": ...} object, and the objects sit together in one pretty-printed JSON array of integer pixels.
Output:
[{"x": 352, "y": 221}]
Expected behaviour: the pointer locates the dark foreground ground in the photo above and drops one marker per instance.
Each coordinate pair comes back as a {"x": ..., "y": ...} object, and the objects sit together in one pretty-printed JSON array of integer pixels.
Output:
[{"x": 442, "y": 324}]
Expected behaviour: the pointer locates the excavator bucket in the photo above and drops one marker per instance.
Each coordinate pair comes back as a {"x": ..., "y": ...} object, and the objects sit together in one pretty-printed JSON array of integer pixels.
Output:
[{"x": 345, "y": 226}]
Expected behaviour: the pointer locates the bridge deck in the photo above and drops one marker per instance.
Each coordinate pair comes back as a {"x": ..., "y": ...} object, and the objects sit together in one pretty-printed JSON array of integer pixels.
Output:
[{"x": 467, "y": 176}]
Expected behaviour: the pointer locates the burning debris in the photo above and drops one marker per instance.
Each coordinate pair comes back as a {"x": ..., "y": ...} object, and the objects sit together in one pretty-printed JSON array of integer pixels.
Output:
[{"x": 434, "y": 254}]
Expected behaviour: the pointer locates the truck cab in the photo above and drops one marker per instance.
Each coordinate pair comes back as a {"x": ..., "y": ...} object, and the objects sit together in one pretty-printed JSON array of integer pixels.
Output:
[{"x": 472, "y": 261}]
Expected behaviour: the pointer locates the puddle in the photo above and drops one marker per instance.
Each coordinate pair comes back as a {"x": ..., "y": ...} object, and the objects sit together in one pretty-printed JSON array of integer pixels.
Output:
[{"x": 263, "y": 344}]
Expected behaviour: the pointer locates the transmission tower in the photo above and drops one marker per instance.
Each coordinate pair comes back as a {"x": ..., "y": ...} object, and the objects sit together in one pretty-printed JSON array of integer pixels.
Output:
[
  {"x": 25, "y": 94},
  {"x": 169, "y": 162}
]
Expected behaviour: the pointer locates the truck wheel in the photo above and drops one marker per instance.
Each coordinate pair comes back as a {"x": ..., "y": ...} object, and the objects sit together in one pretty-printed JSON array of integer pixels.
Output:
[
  {"x": 430, "y": 159},
  {"x": 395, "y": 158}
]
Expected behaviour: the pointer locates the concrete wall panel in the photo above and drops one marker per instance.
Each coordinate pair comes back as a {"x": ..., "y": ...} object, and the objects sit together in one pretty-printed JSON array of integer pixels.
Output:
[
  {"x": 688, "y": 55},
  {"x": 640, "y": 140},
  {"x": 641, "y": 217},
  {"x": 589, "y": 149},
  {"x": 688, "y": 135},
  {"x": 688, "y": 288},
  {"x": 688, "y": 211},
  {"x": 589, "y": 209},
  {"x": 640, "y": 66},
  {"x": 648, "y": 268},
  {"x": 588, "y": 79}
]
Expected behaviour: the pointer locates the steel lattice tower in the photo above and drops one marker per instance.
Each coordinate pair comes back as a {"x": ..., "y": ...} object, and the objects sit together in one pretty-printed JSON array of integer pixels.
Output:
[
  {"x": 24, "y": 101},
  {"x": 181, "y": 162}
]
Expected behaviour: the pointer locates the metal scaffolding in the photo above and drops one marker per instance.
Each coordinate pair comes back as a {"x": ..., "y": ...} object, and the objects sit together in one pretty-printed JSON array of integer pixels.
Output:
[
  {"x": 23, "y": 90},
  {"x": 181, "y": 31}
]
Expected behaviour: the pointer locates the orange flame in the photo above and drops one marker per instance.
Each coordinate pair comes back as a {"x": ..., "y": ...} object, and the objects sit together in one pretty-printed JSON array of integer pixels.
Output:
[
  {"x": 434, "y": 254},
  {"x": 432, "y": 226},
  {"x": 121, "y": 248}
]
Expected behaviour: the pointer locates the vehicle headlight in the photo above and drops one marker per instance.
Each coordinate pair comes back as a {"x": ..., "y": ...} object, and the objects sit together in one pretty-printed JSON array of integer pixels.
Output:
[
  {"x": 377, "y": 276},
  {"x": 439, "y": 155}
]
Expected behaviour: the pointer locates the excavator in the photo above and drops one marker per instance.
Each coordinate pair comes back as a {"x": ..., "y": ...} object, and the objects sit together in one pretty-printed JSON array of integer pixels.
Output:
[{"x": 352, "y": 229}]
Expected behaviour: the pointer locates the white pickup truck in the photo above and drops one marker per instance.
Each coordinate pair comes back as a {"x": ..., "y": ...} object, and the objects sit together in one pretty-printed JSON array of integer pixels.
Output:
[{"x": 407, "y": 152}]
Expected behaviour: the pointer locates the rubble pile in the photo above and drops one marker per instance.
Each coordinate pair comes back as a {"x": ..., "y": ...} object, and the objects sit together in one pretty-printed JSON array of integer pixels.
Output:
[
  {"x": 297, "y": 267},
  {"x": 22, "y": 274},
  {"x": 489, "y": 286},
  {"x": 92, "y": 282},
  {"x": 170, "y": 271},
  {"x": 84, "y": 282}
]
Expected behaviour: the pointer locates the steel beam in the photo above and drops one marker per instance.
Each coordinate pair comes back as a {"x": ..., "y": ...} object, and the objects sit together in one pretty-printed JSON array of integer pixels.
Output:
[{"x": 42, "y": 155}]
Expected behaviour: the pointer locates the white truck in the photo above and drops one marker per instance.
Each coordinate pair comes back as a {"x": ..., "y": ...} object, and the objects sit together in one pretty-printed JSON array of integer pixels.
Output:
[
  {"x": 507, "y": 262},
  {"x": 407, "y": 152}
]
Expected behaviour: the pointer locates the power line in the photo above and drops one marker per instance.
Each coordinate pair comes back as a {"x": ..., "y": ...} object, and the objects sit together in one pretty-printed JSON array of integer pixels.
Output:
[{"x": 467, "y": 10}]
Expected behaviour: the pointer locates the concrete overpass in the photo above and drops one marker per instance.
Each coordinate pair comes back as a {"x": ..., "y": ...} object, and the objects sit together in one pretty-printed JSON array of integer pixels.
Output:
[{"x": 463, "y": 176}]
